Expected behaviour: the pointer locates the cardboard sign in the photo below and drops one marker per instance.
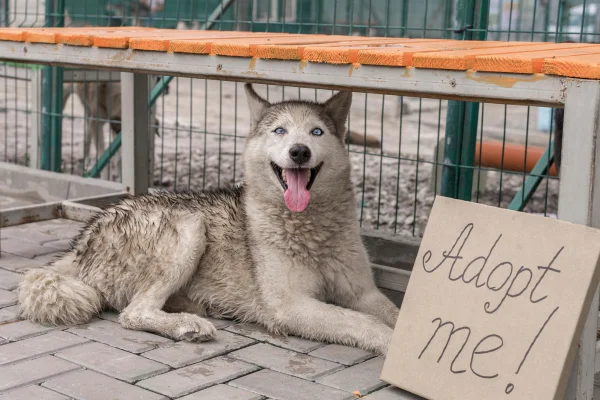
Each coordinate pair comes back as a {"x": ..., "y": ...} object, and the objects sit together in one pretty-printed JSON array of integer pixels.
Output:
[{"x": 495, "y": 305}]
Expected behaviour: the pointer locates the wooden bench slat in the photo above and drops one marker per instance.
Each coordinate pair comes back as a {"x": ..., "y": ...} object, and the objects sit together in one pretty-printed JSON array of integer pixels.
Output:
[
  {"x": 250, "y": 47},
  {"x": 296, "y": 52},
  {"x": 153, "y": 43},
  {"x": 529, "y": 62},
  {"x": 388, "y": 54},
  {"x": 586, "y": 67},
  {"x": 577, "y": 60},
  {"x": 465, "y": 59},
  {"x": 123, "y": 40}
]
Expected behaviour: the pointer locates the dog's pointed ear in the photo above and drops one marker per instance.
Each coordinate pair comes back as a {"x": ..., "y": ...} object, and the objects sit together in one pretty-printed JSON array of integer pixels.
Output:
[
  {"x": 338, "y": 107},
  {"x": 257, "y": 105}
]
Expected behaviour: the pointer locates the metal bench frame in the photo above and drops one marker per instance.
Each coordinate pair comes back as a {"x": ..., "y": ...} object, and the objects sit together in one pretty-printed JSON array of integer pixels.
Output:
[{"x": 579, "y": 198}]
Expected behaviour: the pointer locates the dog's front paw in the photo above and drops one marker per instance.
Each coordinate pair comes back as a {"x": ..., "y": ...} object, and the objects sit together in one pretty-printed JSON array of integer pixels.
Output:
[
  {"x": 378, "y": 341},
  {"x": 194, "y": 328},
  {"x": 382, "y": 348},
  {"x": 392, "y": 317}
]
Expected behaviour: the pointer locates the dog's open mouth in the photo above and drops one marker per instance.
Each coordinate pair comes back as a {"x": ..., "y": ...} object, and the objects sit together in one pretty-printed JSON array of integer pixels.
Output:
[{"x": 296, "y": 183}]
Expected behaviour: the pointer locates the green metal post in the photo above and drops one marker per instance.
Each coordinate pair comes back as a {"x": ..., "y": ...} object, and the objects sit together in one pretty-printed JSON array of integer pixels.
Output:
[
  {"x": 462, "y": 118},
  {"x": 404, "y": 23},
  {"x": 52, "y": 89},
  {"x": 546, "y": 21},
  {"x": 562, "y": 20},
  {"x": 469, "y": 141},
  {"x": 448, "y": 21},
  {"x": 47, "y": 93},
  {"x": 6, "y": 12},
  {"x": 57, "y": 101}
]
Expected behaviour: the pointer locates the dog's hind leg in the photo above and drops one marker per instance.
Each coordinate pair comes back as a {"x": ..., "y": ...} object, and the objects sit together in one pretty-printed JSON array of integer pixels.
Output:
[
  {"x": 311, "y": 319},
  {"x": 182, "y": 253}
]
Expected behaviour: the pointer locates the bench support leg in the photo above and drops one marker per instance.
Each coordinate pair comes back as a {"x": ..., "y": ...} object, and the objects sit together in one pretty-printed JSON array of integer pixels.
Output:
[
  {"x": 134, "y": 132},
  {"x": 579, "y": 202}
]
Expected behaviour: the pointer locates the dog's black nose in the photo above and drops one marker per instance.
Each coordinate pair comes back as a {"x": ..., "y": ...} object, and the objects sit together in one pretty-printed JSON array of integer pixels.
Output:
[{"x": 300, "y": 154}]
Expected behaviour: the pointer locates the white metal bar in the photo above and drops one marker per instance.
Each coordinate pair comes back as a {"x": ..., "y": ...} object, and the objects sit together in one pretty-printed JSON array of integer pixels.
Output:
[
  {"x": 28, "y": 214},
  {"x": 35, "y": 118},
  {"x": 134, "y": 132},
  {"x": 466, "y": 85},
  {"x": 77, "y": 212},
  {"x": 101, "y": 200},
  {"x": 579, "y": 202}
]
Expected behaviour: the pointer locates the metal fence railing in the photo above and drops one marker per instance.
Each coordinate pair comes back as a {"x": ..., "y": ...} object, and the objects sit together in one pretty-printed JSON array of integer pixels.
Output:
[{"x": 396, "y": 143}]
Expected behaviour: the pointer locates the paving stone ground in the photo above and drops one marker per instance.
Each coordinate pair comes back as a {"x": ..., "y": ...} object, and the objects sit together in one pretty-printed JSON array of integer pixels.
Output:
[{"x": 101, "y": 360}]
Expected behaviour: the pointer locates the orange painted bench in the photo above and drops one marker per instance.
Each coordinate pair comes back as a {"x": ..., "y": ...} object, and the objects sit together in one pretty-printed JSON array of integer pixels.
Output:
[{"x": 575, "y": 60}]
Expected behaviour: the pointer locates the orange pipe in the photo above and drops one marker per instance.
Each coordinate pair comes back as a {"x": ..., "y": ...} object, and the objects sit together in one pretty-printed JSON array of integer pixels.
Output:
[{"x": 514, "y": 156}]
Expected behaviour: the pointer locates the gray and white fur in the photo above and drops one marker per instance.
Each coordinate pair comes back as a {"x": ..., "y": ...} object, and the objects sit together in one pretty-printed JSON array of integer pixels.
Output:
[{"x": 235, "y": 253}]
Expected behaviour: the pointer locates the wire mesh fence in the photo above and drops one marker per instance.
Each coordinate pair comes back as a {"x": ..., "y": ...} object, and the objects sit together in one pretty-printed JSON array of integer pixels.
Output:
[{"x": 396, "y": 144}]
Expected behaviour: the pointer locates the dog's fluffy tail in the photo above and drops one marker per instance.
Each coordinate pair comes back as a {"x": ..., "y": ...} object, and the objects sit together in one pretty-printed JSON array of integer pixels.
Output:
[{"x": 54, "y": 295}]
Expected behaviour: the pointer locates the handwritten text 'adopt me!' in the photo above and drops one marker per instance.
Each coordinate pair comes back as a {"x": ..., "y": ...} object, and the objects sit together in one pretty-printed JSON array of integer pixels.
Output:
[{"x": 495, "y": 302}]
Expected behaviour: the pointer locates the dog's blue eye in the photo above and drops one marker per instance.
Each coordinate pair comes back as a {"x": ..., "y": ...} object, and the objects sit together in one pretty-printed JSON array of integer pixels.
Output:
[
  {"x": 279, "y": 131},
  {"x": 317, "y": 132}
]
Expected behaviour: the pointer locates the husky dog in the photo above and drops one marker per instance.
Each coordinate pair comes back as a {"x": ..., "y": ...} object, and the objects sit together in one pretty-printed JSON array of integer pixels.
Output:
[
  {"x": 283, "y": 250},
  {"x": 102, "y": 103}
]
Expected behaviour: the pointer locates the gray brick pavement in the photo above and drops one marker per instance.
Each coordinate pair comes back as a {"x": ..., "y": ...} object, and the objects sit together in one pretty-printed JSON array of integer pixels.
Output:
[
  {"x": 198, "y": 376},
  {"x": 33, "y": 371},
  {"x": 223, "y": 392},
  {"x": 23, "y": 330},
  {"x": 47, "y": 258},
  {"x": 38, "y": 346},
  {"x": 221, "y": 323},
  {"x": 9, "y": 280},
  {"x": 32, "y": 393},
  {"x": 363, "y": 377},
  {"x": 12, "y": 309},
  {"x": 25, "y": 248},
  {"x": 16, "y": 263},
  {"x": 287, "y": 342},
  {"x": 185, "y": 353},
  {"x": 28, "y": 232},
  {"x": 392, "y": 393},
  {"x": 284, "y": 387},
  {"x": 286, "y": 361},
  {"x": 60, "y": 244},
  {"x": 7, "y": 316},
  {"x": 7, "y": 298},
  {"x": 113, "y": 362},
  {"x": 90, "y": 385},
  {"x": 342, "y": 354}
]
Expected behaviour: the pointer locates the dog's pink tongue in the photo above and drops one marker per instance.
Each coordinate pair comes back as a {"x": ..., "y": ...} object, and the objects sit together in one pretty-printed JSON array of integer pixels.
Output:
[{"x": 297, "y": 196}]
